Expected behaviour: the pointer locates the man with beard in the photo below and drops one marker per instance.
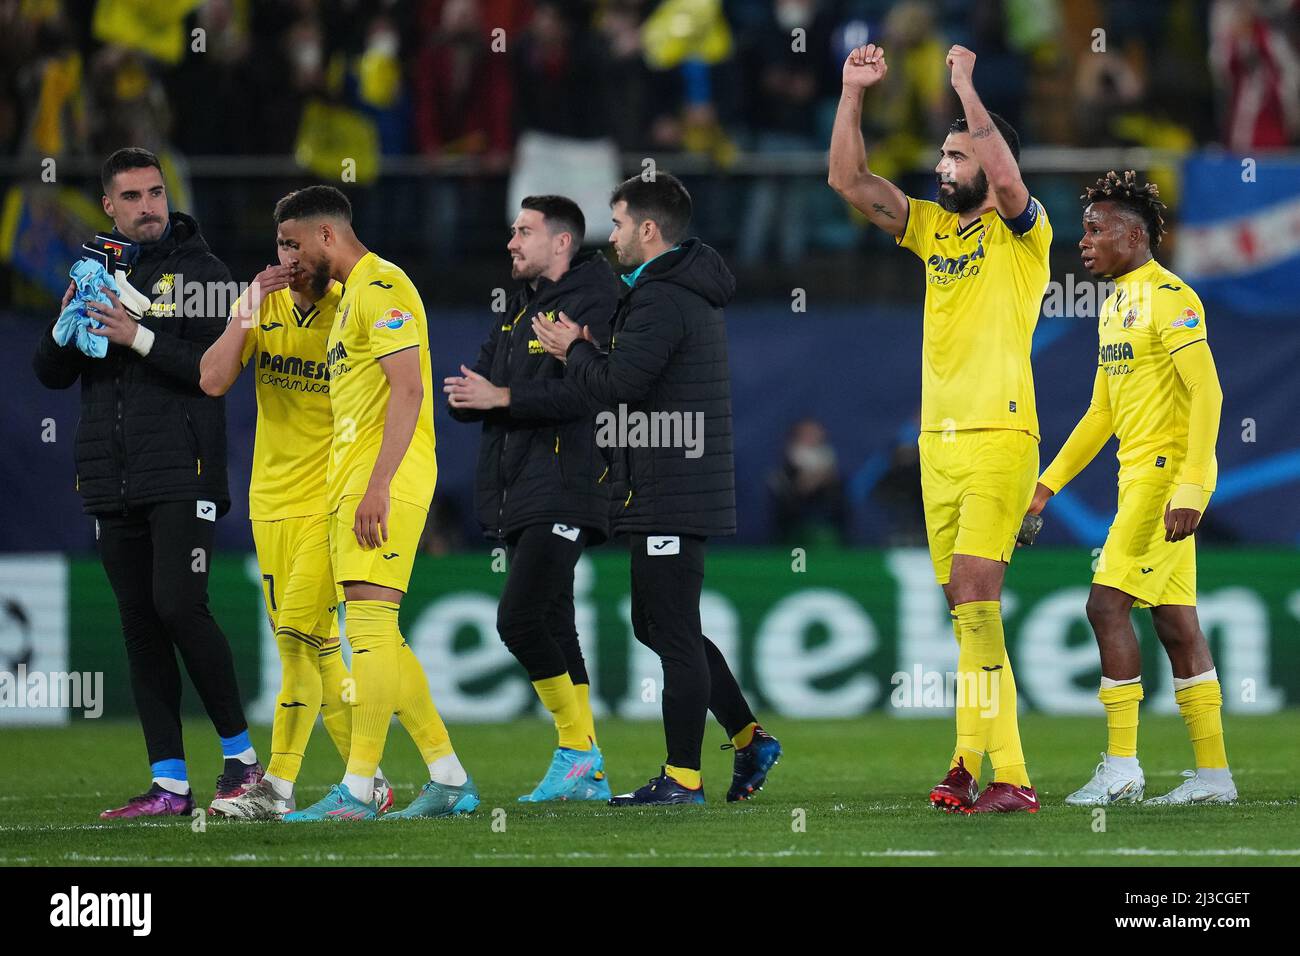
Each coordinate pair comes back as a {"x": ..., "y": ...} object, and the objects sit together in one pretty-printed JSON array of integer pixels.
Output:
[
  {"x": 985, "y": 245},
  {"x": 667, "y": 359},
  {"x": 282, "y": 323},
  {"x": 542, "y": 484},
  {"x": 380, "y": 480}
]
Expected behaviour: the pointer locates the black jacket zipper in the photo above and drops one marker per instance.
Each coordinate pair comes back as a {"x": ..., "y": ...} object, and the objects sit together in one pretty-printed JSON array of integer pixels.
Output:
[
  {"x": 505, "y": 437},
  {"x": 119, "y": 427},
  {"x": 119, "y": 389}
]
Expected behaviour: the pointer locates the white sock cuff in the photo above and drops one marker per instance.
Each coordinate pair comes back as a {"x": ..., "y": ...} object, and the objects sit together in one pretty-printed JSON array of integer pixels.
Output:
[
  {"x": 447, "y": 771},
  {"x": 362, "y": 788},
  {"x": 279, "y": 786},
  {"x": 1182, "y": 683},
  {"x": 1107, "y": 683},
  {"x": 181, "y": 787}
]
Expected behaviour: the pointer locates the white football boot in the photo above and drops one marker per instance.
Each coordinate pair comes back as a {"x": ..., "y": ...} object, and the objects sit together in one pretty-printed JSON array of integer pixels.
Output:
[
  {"x": 383, "y": 794},
  {"x": 1109, "y": 784},
  {"x": 1197, "y": 789},
  {"x": 258, "y": 802}
]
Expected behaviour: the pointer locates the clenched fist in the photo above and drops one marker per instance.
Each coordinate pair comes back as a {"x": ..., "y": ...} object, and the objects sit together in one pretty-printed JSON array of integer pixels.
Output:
[
  {"x": 961, "y": 62},
  {"x": 865, "y": 66}
]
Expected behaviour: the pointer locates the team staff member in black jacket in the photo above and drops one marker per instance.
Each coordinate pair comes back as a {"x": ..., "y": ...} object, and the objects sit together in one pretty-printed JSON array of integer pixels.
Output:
[
  {"x": 668, "y": 357},
  {"x": 541, "y": 482},
  {"x": 151, "y": 467}
]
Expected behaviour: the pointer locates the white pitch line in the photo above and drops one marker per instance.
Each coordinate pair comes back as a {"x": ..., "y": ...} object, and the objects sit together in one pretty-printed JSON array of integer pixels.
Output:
[{"x": 277, "y": 859}]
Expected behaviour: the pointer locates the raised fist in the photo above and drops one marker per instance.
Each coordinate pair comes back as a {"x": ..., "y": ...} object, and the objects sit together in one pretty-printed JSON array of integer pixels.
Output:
[{"x": 865, "y": 66}]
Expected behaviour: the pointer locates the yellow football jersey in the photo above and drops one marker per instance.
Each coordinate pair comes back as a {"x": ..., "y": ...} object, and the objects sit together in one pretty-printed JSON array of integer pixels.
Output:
[
  {"x": 379, "y": 314},
  {"x": 1151, "y": 315},
  {"x": 294, "y": 422},
  {"x": 984, "y": 289}
]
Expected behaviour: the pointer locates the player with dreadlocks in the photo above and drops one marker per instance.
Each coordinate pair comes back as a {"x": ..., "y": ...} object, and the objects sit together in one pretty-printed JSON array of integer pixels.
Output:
[{"x": 1156, "y": 390}]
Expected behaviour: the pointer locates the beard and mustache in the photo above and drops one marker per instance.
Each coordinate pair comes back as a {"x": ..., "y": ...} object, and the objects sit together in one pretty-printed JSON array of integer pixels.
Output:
[
  {"x": 965, "y": 198},
  {"x": 316, "y": 278}
]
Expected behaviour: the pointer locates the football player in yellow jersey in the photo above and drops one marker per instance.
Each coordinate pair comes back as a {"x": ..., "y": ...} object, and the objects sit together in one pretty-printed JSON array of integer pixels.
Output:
[
  {"x": 379, "y": 484},
  {"x": 985, "y": 246},
  {"x": 283, "y": 319},
  {"x": 1157, "y": 390}
]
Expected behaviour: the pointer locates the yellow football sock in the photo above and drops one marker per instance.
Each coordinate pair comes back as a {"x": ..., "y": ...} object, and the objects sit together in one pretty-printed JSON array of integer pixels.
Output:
[
  {"x": 690, "y": 779},
  {"x": 335, "y": 706},
  {"x": 372, "y": 632},
  {"x": 1005, "y": 752},
  {"x": 979, "y": 666},
  {"x": 1121, "y": 703},
  {"x": 586, "y": 719},
  {"x": 415, "y": 708},
  {"x": 296, "y": 704},
  {"x": 558, "y": 697},
  {"x": 972, "y": 761},
  {"x": 1201, "y": 705},
  {"x": 745, "y": 736}
]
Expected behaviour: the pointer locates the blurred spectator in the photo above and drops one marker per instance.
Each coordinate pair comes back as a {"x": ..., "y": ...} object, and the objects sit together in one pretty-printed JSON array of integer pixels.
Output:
[
  {"x": 222, "y": 72},
  {"x": 1106, "y": 85},
  {"x": 693, "y": 39},
  {"x": 128, "y": 103},
  {"x": 808, "y": 501},
  {"x": 377, "y": 86},
  {"x": 1002, "y": 71},
  {"x": 444, "y": 531},
  {"x": 898, "y": 492},
  {"x": 780, "y": 92},
  {"x": 1114, "y": 107},
  {"x": 462, "y": 101},
  {"x": 909, "y": 113},
  {"x": 462, "y": 88},
  {"x": 50, "y": 85},
  {"x": 1257, "y": 70},
  {"x": 635, "y": 100},
  {"x": 556, "y": 71}
]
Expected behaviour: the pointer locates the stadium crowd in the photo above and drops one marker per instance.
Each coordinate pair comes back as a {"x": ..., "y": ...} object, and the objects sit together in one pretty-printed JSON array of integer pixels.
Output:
[{"x": 456, "y": 78}]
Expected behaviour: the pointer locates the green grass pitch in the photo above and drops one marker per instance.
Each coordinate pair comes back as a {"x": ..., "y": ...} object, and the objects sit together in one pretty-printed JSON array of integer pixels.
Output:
[{"x": 847, "y": 792}]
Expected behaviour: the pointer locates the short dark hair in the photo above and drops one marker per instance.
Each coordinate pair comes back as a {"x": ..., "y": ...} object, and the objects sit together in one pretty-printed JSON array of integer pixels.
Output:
[
  {"x": 313, "y": 202},
  {"x": 561, "y": 214},
  {"x": 1006, "y": 129},
  {"x": 132, "y": 157},
  {"x": 1141, "y": 199},
  {"x": 662, "y": 199}
]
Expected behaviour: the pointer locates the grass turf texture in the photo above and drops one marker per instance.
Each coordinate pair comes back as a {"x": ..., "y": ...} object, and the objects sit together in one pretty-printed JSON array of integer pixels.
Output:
[{"x": 861, "y": 785}]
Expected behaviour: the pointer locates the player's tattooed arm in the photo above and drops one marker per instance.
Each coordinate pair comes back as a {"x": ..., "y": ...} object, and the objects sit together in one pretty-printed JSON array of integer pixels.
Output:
[
  {"x": 991, "y": 151},
  {"x": 878, "y": 199}
]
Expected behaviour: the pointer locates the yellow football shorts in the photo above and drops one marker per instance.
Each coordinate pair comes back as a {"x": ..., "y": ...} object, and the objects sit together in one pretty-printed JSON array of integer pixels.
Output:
[
  {"x": 976, "y": 486},
  {"x": 1137, "y": 559},
  {"x": 297, "y": 580},
  {"x": 390, "y": 565}
]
